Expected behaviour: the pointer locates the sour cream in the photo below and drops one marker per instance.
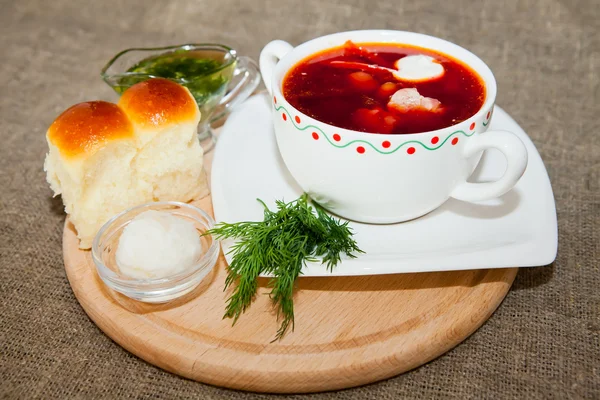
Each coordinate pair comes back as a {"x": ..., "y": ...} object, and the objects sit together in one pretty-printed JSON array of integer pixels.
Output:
[{"x": 157, "y": 244}]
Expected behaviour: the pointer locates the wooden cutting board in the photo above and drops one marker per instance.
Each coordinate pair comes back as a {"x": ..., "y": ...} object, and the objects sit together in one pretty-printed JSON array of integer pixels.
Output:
[{"x": 349, "y": 330}]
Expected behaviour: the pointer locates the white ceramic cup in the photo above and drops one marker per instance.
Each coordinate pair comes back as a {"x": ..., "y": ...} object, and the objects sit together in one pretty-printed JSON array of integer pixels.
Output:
[{"x": 385, "y": 178}]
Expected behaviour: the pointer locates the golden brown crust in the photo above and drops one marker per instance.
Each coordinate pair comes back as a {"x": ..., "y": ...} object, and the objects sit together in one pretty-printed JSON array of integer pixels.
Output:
[
  {"x": 87, "y": 127},
  {"x": 158, "y": 101}
]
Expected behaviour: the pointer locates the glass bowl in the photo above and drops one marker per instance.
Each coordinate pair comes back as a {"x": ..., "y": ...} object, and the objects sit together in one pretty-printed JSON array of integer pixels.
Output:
[
  {"x": 216, "y": 91},
  {"x": 155, "y": 290}
]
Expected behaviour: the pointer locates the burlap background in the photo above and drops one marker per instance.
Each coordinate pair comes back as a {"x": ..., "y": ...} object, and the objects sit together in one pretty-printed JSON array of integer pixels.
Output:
[{"x": 543, "y": 342}]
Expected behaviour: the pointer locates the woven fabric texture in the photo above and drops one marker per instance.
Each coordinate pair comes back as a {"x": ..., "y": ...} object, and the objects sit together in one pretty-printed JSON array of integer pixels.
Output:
[{"x": 543, "y": 341}]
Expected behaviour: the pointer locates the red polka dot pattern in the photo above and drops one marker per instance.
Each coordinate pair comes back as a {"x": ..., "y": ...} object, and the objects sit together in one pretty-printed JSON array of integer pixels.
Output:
[{"x": 386, "y": 144}]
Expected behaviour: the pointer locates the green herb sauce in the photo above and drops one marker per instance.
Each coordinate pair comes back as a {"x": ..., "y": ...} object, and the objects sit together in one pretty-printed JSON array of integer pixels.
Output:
[{"x": 206, "y": 78}]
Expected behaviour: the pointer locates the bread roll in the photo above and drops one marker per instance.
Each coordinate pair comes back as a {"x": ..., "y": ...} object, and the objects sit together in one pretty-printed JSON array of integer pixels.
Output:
[{"x": 104, "y": 158}]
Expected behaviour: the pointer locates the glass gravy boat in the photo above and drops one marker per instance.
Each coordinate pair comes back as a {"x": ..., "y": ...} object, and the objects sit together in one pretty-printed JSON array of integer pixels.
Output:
[{"x": 223, "y": 82}]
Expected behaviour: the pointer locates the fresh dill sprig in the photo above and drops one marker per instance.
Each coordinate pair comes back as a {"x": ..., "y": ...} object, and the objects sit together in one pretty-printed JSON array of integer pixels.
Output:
[{"x": 280, "y": 246}]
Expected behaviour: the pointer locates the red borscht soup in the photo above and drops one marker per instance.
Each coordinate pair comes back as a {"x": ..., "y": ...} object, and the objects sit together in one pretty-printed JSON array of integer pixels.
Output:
[{"x": 384, "y": 88}]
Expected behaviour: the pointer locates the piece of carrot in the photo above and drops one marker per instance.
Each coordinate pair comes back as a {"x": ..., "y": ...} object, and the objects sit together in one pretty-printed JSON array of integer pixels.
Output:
[
  {"x": 386, "y": 90},
  {"x": 368, "y": 120},
  {"x": 363, "y": 81},
  {"x": 375, "y": 120}
]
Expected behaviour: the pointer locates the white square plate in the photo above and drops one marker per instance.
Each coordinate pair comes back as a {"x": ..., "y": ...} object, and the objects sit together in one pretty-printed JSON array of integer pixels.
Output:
[{"x": 517, "y": 230}]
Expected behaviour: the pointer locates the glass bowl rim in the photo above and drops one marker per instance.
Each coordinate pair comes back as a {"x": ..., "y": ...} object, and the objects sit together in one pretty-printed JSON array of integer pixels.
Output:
[
  {"x": 199, "y": 265},
  {"x": 187, "y": 46}
]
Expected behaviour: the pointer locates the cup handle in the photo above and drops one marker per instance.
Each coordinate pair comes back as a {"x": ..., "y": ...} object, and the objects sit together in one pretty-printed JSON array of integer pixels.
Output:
[
  {"x": 516, "y": 156},
  {"x": 269, "y": 57},
  {"x": 244, "y": 80}
]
